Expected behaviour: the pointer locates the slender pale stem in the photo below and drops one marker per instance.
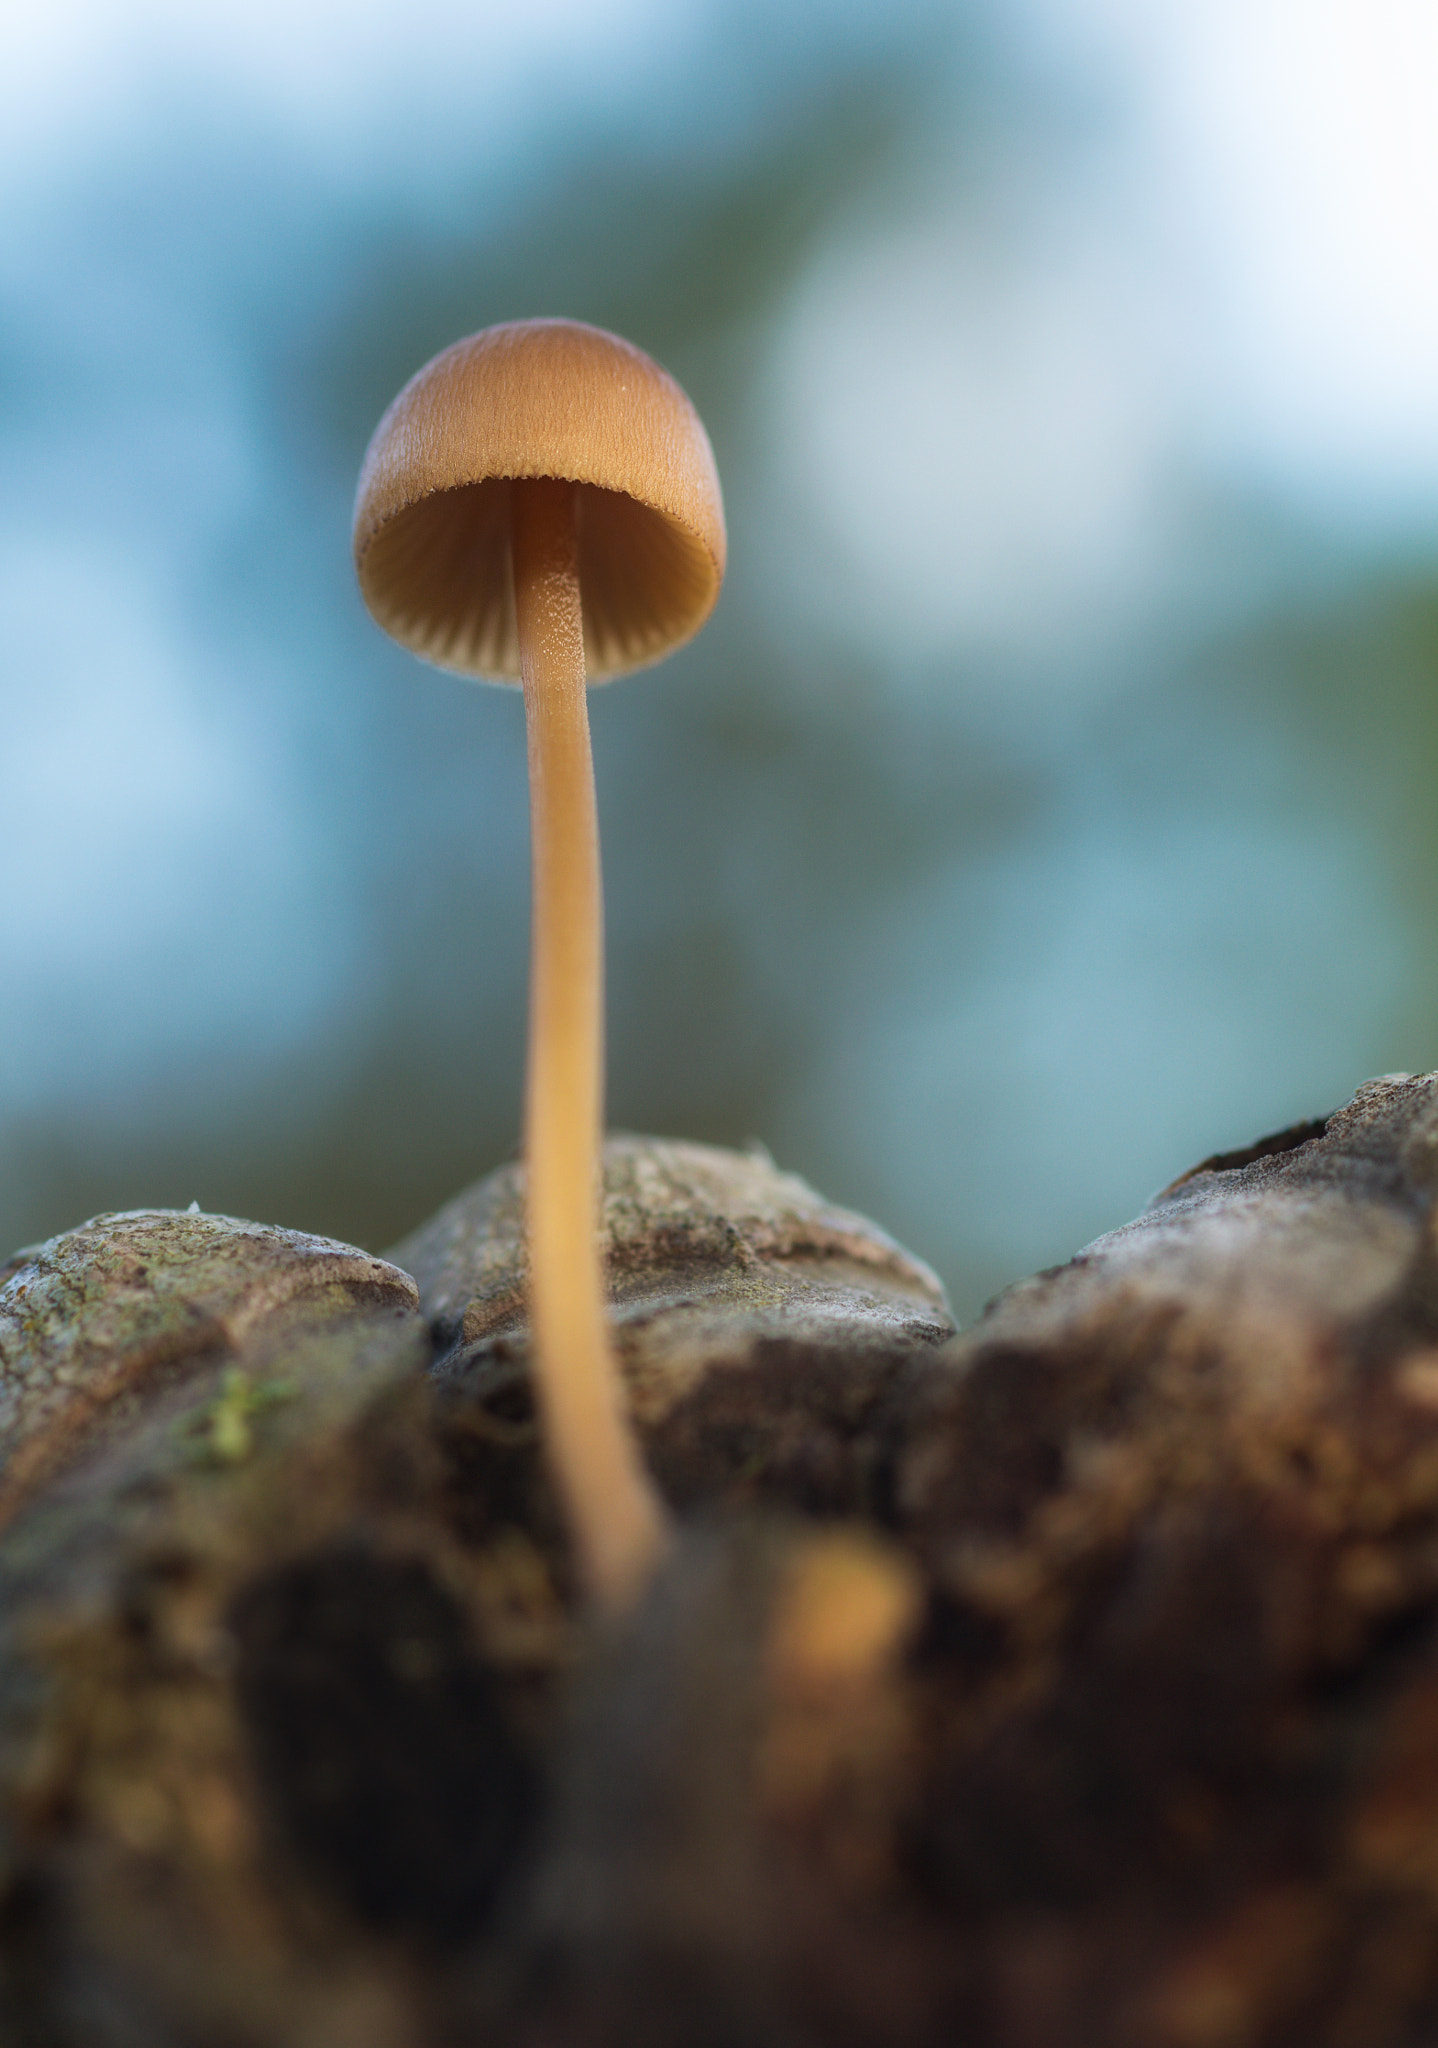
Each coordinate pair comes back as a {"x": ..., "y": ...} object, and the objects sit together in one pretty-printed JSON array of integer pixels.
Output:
[{"x": 615, "y": 1514}]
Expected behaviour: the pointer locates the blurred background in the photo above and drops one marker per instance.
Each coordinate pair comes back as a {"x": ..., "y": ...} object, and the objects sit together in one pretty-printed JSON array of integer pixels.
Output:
[{"x": 1049, "y": 802}]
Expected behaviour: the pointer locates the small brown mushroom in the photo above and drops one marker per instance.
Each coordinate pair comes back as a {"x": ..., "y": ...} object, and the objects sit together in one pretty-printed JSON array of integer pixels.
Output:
[{"x": 541, "y": 500}]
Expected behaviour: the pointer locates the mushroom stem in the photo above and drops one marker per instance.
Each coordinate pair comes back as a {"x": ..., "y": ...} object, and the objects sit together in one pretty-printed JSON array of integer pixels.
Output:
[{"x": 616, "y": 1516}]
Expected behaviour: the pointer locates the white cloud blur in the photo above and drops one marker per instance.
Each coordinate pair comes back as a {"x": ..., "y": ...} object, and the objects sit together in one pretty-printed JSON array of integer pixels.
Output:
[
  {"x": 1220, "y": 276},
  {"x": 1285, "y": 155},
  {"x": 370, "y": 75},
  {"x": 982, "y": 422}
]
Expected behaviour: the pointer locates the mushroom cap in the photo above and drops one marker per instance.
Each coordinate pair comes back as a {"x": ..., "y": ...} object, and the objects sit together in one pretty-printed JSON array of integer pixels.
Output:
[{"x": 539, "y": 398}]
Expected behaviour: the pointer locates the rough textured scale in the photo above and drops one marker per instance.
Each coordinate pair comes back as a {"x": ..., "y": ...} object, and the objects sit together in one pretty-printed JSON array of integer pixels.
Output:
[
  {"x": 1070, "y": 1683},
  {"x": 127, "y": 1301},
  {"x": 706, "y": 1251}
]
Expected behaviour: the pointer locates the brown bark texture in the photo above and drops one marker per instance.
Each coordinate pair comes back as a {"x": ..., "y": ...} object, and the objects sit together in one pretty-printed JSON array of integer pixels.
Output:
[{"x": 1069, "y": 1682}]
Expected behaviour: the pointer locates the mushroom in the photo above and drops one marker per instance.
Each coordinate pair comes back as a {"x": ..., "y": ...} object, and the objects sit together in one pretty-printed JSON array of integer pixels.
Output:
[{"x": 539, "y": 502}]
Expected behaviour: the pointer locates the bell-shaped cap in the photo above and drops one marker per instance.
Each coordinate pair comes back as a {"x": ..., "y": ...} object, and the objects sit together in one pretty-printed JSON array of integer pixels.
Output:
[{"x": 539, "y": 398}]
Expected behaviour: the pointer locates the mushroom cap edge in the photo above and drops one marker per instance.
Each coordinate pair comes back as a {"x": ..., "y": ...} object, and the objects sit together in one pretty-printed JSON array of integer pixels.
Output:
[{"x": 528, "y": 399}]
